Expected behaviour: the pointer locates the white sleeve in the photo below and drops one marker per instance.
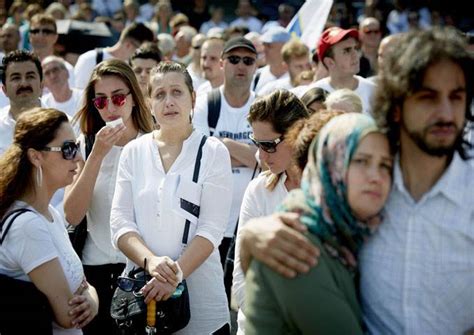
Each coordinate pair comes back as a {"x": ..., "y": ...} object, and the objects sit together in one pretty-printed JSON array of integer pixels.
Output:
[
  {"x": 83, "y": 69},
  {"x": 216, "y": 196},
  {"x": 200, "y": 115},
  {"x": 248, "y": 210},
  {"x": 122, "y": 216},
  {"x": 29, "y": 243}
]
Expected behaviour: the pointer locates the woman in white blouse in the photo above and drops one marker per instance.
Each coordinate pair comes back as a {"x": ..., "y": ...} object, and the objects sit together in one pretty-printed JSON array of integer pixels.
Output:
[
  {"x": 36, "y": 248},
  {"x": 111, "y": 96},
  {"x": 155, "y": 173},
  {"x": 270, "y": 117}
]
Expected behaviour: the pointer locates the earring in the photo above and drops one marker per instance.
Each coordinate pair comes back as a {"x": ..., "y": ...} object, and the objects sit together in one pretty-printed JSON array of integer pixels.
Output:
[
  {"x": 191, "y": 116},
  {"x": 39, "y": 176}
]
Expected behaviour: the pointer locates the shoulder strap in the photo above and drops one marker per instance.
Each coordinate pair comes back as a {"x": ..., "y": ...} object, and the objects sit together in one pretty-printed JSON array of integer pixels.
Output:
[
  {"x": 213, "y": 109},
  {"x": 256, "y": 80},
  {"x": 99, "y": 56},
  {"x": 89, "y": 143},
  {"x": 14, "y": 214},
  {"x": 197, "y": 167}
]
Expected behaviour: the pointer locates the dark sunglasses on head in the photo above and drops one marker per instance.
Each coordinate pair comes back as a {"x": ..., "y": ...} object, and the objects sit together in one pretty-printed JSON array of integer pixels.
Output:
[
  {"x": 117, "y": 99},
  {"x": 44, "y": 31},
  {"x": 267, "y": 146},
  {"x": 236, "y": 60},
  {"x": 69, "y": 149}
]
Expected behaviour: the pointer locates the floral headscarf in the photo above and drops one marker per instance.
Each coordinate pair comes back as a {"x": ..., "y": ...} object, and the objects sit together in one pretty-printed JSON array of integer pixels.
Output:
[{"x": 322, "y": 199}]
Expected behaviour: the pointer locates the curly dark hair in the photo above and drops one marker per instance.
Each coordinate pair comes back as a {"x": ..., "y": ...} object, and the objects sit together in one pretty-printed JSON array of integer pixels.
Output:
[{"x": 404, "y": 70}]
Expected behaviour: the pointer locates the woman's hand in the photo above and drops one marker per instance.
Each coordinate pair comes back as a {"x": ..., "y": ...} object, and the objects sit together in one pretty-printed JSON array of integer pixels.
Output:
[
  {"x": 106, "y": 138},
  {"x": 157, "y": 290},
  {"x": 84, "y": 306},
  {"x": 163, "y": 269},
  {"x": 278, "y": 242}
]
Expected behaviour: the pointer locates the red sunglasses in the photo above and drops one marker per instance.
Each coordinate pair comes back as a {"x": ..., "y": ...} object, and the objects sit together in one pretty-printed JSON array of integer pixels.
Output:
[{"x": 117, "y": 99}]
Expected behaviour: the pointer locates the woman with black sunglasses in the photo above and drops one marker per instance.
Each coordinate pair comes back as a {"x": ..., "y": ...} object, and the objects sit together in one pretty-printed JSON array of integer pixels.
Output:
[
  {"x": 113, "y": 113},
  {"x": 270, "y": 117},
  {"x": 41, "y": 160}
]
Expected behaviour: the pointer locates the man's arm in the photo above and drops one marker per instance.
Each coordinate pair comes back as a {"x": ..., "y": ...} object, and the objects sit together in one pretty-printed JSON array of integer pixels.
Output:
[
  {"x": 242, "y": 154},
  {"x": 278, "y": 242}
]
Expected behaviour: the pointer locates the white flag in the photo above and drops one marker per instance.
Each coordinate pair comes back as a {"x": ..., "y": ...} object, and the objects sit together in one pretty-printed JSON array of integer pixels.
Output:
[{"x": 308, "y": 23}]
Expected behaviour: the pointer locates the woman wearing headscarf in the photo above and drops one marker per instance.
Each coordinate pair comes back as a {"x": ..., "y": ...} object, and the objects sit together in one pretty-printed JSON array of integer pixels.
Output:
[{"x": 343, "y": 189}]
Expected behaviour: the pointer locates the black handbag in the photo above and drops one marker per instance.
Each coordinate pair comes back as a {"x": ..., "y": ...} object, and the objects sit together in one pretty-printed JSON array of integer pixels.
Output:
[
  {"x": 130, "y": 311},
  {"x": 128, "y": 307},
  {"x": 23, "y": 308}
]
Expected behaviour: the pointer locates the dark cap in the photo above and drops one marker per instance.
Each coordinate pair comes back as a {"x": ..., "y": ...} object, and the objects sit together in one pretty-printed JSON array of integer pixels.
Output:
[{"x": 239, "y": 42}]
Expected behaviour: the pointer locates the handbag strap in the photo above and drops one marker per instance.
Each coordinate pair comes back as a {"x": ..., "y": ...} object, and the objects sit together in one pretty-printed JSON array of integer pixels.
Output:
[
  {"x": 13, "y": 214},
  {"x": 197, "y": 167}
]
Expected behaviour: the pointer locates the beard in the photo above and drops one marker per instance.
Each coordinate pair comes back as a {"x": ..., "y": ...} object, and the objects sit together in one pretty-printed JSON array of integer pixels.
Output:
[{"x": 420, "y": 138}]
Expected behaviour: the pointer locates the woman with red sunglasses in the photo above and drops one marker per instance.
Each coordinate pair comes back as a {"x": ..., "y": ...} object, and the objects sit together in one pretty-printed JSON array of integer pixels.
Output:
[
  {"x": 113, "y": 113},
  {"x": 34, "y": 246}
]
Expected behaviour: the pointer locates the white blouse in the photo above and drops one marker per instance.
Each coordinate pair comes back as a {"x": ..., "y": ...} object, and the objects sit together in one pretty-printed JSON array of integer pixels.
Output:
[
  {"x": 258, "y": 201},
  {"x": 147, "y": 201}
]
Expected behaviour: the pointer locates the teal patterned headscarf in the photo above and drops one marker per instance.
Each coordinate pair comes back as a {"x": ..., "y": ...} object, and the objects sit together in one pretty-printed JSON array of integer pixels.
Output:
[{"x": 322, "y": 199}]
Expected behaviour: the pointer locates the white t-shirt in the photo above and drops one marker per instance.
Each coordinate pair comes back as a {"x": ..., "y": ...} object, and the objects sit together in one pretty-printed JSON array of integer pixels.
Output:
[
  {"x": 232, "y": 124},
  {"x": 147, "y": 201},
  {"x": 7, "y": 127},
  {"x": 283, "y": 83},
  {"x": 98, "y": 249},
  {"x": 365, "y": 90},
  {"x": 32, "y": 241},
  {"x": 266, "y": 77},
  {"x": 69, "y": 107},
  {"x": 204, "y": 88},
  {"x": 258, "y": 201},
  {"x": 85, "y": 65},
  {"x": 197, "y": 78},
  {"x": 251, "y": 22}
]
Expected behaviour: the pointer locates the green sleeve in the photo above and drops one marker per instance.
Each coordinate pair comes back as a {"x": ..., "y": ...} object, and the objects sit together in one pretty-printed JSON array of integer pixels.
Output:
[{"x": 322, "y": 301}]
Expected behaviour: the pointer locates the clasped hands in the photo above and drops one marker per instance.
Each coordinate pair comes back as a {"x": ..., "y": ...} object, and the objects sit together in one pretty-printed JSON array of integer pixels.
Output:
[{"x": 166, "y": 275}]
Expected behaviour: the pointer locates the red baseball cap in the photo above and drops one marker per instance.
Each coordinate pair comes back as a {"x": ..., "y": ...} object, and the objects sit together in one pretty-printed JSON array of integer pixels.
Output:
[{"x": 332, "y": 36}]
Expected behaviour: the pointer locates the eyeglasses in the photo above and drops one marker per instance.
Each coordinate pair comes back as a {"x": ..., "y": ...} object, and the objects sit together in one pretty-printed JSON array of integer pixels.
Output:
[
  {"x": 267, "y": 146},
  {"x": 44, "y": 31},
  {"x": 117, "y": 99},
  {"x": 69, "y": 149},
  {"x": 236, "y": 60}
]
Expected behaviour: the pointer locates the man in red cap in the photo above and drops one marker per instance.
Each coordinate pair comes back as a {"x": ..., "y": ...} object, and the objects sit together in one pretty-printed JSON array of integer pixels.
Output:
[{"x": 339, "y": 51}]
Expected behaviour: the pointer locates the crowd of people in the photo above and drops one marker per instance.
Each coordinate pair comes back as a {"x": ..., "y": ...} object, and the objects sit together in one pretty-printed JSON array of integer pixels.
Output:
[{"x": 316, "y": 189}]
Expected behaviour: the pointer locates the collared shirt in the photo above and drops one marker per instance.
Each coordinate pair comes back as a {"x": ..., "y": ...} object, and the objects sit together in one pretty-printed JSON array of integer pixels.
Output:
[{"x": 417, "y": 271}]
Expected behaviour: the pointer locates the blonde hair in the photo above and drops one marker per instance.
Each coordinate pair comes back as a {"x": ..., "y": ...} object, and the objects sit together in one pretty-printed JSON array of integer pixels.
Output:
[{"x": 351, "y": 101}]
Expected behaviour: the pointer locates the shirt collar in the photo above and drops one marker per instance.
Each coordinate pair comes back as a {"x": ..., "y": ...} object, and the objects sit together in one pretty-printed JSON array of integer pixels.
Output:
[{"x": 454, "y": 184}]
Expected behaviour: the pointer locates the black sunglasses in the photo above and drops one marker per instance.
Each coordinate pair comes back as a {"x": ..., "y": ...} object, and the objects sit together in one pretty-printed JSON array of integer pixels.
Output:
[
  {"x": 128, "y": 284},
  {"x": 267, "y": 146},
  {"x": 236, "y": 60},
  {"x": 69, "y": 149},
  {"x": 44, "y": 31}
]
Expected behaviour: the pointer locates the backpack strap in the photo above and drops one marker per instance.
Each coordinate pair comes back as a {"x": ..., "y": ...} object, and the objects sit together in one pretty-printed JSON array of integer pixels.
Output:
[
  {"x": 256, "y": 80},
  {"x": 99, "y": 55},
  {"x": 13, "y": 214},
  {"x": 197, "y": 167},
  {"x": 213, "y": 109}
]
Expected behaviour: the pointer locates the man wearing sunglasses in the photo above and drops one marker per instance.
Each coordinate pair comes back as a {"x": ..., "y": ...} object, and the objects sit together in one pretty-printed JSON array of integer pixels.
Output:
[
  {"x": 238, "y": 60},
  {"x": 43, "y": 36},
  {"x": 370, "y": 35}
]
